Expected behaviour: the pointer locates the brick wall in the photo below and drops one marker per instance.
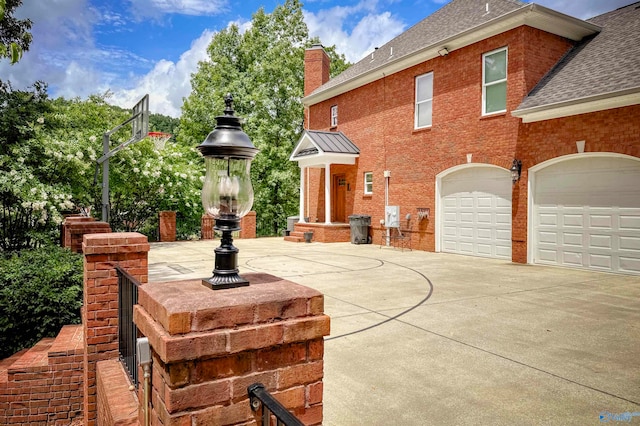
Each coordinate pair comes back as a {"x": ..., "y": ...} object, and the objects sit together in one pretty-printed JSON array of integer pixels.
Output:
[
  {"x": 209, "y": 346},
  {"x": 102, "y": 253},
  {"x": 379, "y": 119},
  {"x": 117, "y": 403},
  {"x": 43, "y": 385}
]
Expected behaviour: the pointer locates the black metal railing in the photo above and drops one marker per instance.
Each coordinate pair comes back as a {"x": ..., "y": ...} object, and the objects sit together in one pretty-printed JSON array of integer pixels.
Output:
[
  {"x": 127, "y": 330},
  {"x": 260, "y": 397}
]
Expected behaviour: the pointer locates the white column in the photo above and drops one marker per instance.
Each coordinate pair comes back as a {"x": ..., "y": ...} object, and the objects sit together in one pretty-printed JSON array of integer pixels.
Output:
[
  {"x": 327, "y": 194},
  {"x": 302, "y": 186}
]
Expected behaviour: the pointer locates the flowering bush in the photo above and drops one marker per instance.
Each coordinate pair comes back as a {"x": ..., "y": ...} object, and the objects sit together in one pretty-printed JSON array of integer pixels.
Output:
[{"x": 48, "y": 169}]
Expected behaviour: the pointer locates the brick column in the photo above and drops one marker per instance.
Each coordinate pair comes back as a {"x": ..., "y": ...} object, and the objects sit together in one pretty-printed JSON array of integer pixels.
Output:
[
  {"x": 102, "y": 253},
  {"x": 248, "y": 225},
  {"x": 167, "y": 226},
  {"x": 75, "y": 227},
  {"x": 209, "y": 346},
  {"x": 206, "y": 227}
]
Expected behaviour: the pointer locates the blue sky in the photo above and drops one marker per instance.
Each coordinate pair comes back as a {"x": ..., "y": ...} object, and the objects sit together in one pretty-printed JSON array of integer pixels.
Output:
[{"x": 133, "y": 47}]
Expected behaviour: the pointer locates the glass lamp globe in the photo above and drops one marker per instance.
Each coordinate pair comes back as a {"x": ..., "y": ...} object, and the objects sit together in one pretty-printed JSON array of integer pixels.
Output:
[{"x": 227, "y": 191}]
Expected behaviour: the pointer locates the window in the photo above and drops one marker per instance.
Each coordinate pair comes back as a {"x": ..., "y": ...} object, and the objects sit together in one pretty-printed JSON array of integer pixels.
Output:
[
  {"x": 494, "y": 81},
  {"x": 334, "y": 115},
  {"x": 368, "y": 183},
  {"x": 424, "y": 100}
]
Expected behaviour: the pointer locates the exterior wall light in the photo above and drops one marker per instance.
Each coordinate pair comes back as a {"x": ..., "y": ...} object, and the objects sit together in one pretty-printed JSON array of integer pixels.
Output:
[
  {"x": 516, "y": 169},
  {"x": 227, "y": 193}
]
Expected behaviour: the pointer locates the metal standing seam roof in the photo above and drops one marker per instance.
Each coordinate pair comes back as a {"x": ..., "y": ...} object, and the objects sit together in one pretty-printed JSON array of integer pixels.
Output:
[
  {"x": 327, "y": 142},
  {"x": 452, "y": 19},
  {"x": 606, "y": 63}
]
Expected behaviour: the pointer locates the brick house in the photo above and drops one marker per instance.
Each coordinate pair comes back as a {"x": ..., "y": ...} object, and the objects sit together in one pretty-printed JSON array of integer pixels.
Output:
[{"x": 437, "y": 121}]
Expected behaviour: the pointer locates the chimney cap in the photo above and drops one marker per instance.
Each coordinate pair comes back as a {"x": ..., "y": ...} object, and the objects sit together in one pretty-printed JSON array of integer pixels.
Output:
[{"x": 316, "y": 46}]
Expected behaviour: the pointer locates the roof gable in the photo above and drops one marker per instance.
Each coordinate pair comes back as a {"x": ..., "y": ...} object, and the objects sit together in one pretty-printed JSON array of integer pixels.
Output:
[
  {"x": 599, "y": 73},
  {"x": 318, "y": 147},
  {"x": 457, "y": 24}
]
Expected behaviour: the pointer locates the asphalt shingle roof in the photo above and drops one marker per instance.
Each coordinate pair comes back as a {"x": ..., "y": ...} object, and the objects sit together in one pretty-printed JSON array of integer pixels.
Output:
[
  {"x": 452, "y": 19},
  {"x": 606, "y": 63},
  {"x": 328, "y": 142}
]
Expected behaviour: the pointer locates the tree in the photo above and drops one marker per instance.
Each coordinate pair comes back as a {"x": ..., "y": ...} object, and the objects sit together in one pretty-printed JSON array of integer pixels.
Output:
[
  {"x": 15, "y": 37},
  {"x": 264, "y": 70}
]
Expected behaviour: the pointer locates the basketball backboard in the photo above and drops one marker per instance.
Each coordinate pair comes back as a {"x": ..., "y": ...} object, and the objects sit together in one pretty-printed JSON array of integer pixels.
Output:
[{"x": 140, "y": 123}]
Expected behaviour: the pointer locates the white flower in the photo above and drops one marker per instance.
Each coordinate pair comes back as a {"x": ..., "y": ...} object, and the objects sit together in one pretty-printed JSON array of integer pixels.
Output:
[
  {"x": 79, "y": 155},
  {"x": 92, "y": 138},
  {"x": 40, "y": 120},
  {"x": 69, "y": 157},
  {"x": 155, "y": 174},
  {"x": 136, "y": 170},
  {"x": 146, "y": 173}
]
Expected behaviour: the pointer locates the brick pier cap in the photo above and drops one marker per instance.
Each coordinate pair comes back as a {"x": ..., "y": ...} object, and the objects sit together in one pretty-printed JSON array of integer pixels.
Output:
[{"x": 209, "y": 345}]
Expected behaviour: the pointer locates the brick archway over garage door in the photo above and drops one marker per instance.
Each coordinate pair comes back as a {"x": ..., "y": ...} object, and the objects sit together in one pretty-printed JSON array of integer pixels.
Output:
[
  {"x": 585, "y": 212},
  {"x": 474, "y": 211}
]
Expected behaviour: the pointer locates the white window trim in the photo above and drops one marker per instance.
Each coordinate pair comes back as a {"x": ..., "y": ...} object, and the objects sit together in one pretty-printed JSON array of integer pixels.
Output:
[
  {"x": 415, "y": 119},
  {"x": 484, "y": 85},
  {"x": 334, "y": 115},
  {"x": 368, "y": 183}
]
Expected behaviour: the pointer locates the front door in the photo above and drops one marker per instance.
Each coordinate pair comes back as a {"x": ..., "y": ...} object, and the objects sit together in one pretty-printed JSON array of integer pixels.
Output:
[{"x": 338, "y": 198}]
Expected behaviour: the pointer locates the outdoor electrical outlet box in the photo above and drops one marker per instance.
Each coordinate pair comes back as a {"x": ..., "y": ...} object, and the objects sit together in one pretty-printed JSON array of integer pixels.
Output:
[
  {"x": 144, "y": 351},
  {"x": 392, "y": 216},
  {"x": 387, "y": 173}
]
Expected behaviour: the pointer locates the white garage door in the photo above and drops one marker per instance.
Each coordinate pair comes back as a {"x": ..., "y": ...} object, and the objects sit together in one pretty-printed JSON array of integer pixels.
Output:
[
  {"x": 586, "y": 214},
  {"x": 476, "y": 212}
]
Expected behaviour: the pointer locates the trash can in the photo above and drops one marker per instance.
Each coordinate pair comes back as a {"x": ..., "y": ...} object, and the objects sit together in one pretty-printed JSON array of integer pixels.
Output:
[
  {"x": 292, "y": 220},
  {"x": 359, "y": 225}
]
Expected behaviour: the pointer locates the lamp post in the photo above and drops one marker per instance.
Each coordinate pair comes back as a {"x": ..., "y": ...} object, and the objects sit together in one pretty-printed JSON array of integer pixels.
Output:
[{"x": 227, "y": 193}]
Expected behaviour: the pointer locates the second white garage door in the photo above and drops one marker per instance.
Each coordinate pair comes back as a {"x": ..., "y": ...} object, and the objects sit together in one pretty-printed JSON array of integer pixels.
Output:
[
  {"x": 476, "y": 212},
  {"x": 586, "y": 214}
]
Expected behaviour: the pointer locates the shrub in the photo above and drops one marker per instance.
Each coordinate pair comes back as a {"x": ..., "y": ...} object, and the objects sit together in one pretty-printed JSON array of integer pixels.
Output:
[{"x": 40, "y": 291}]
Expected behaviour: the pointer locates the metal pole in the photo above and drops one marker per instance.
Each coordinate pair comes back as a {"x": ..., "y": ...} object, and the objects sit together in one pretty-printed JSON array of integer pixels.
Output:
[{"x": 105, "y": 179}]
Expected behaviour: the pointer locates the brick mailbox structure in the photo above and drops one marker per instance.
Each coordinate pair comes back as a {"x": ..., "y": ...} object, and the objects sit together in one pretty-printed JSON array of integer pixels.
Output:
[{"x": 209, "y": 346}]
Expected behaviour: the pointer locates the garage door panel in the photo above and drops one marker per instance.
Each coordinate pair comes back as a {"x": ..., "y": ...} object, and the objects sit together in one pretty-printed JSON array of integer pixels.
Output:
[
  {"x": 593, "y": 203},
  {"x": 573, "y": 220},
  {"x": 600, "y": 221},
  {"x": 629, "y": 243},
  {"x": 600, "y": 261},
  {"x": 629, "y": 222},
  {"x": 629, "y": 264},
  {"x": 477, "y": 203}
]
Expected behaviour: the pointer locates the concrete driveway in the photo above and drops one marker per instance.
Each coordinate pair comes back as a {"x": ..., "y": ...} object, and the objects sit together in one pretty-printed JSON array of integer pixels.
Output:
[{"x": 438, "y": 339}]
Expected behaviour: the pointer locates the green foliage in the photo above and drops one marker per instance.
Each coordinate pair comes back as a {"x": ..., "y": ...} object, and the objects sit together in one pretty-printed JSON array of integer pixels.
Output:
[
  {"x": 40, "y": 291},
  {"x": 264, "y": 70},
  {"x": 15, "y": 37}
]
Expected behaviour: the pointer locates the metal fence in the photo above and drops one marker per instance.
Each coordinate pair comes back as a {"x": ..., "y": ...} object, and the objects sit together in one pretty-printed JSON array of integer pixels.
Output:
[
  {"x": 260, "y": 397},
  {"x": 127, "y": 330}
]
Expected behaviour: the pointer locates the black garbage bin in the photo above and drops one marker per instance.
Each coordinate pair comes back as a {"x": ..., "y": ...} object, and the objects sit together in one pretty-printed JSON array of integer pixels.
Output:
[{"x": 359, "y": 224}]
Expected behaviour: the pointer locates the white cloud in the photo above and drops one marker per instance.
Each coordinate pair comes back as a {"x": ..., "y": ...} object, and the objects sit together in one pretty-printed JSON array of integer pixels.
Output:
[
  {"x": 168, "y": 82},
  {"x": 155, "y": 8},
  {"x": 370, "y": 30}
]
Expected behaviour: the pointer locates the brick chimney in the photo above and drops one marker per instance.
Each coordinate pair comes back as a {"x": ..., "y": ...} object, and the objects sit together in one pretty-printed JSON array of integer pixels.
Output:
[{"x": 316, "y": 68}]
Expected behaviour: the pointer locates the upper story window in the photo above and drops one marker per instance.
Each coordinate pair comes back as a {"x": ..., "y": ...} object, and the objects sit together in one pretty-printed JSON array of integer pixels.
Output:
[
  {"x": 368, "y": 182},
  {"x": 334, "y": 115},
  {"x": 424, "y": 100},
  {"x": 494, "y": 81}
]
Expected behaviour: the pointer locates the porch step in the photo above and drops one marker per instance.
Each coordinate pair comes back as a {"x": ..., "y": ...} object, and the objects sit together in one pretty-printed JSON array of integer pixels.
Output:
[{"x": 295, "y": 237}]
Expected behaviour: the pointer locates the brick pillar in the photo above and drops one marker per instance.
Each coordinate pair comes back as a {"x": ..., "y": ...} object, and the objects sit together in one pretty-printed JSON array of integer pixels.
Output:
[
  {"x": 206, "y": 227},
  {"x": 75, "y": 227},
  {"x": 102, "y": 253},
  {"x": 248, "y": 225},
  {"x": 208, "y": 346},
  {"x": 167, "y": 226}
]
